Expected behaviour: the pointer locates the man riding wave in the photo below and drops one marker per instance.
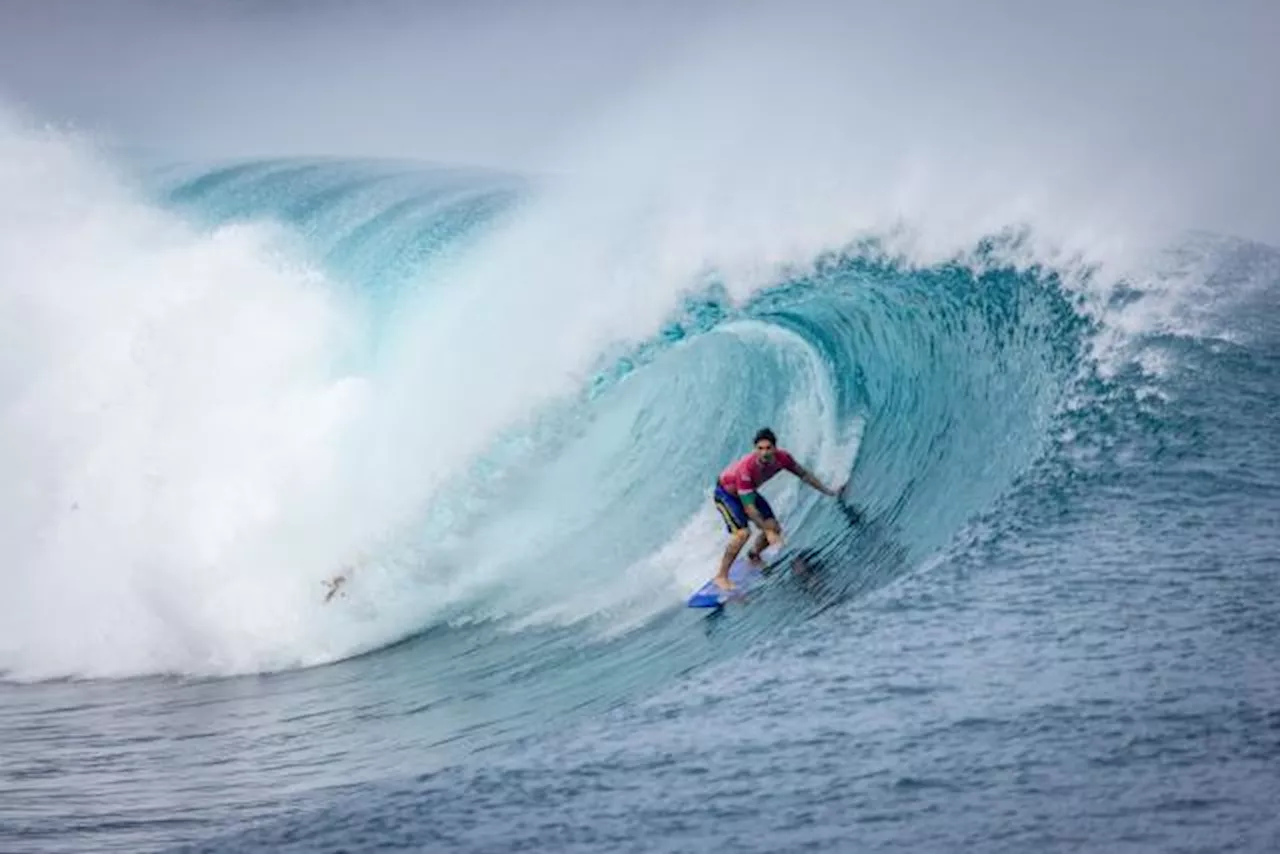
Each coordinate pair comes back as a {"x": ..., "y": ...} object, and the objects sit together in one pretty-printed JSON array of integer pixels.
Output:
[{"x": 739, "y": 501}]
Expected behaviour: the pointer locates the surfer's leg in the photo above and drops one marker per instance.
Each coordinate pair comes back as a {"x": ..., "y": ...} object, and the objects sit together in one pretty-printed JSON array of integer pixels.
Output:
[
  {"x": 737, "y": 540},
  {"x": 735, "y": 522},
  {"x": 762, "y": 540}
]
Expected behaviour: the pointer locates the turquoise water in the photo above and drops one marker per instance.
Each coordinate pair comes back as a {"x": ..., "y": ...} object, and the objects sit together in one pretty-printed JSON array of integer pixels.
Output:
[{"x": 1053, "y": 627}]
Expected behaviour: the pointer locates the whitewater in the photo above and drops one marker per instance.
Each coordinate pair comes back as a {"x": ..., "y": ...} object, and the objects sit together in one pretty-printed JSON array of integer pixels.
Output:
[{"x": 496, "y": 400}]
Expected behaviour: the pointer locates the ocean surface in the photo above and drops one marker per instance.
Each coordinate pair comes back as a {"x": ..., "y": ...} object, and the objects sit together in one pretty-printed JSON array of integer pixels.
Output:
[{"x": 499, "y": 412}]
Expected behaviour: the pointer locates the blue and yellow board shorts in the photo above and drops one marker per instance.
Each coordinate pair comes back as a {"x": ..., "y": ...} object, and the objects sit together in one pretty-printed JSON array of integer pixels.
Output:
[{"x": 735, "y": 515}]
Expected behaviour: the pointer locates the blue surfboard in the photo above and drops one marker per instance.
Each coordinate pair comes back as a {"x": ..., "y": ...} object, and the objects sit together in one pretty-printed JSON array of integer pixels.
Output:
[{"x": 745, "y": 578}]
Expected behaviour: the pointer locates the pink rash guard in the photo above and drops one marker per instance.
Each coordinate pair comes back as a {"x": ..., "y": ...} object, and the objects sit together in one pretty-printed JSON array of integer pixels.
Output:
[{"x": 748, "y": 474}]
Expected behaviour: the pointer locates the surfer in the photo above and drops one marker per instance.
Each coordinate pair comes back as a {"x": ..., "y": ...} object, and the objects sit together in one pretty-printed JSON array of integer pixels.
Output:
[
  {"x": 334, "y": 584},
  {"x": 739, "y": 501}
]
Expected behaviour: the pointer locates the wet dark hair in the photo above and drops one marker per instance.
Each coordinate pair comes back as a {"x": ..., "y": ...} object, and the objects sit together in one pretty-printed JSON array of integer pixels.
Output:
[{"x": 766, "y": 434}]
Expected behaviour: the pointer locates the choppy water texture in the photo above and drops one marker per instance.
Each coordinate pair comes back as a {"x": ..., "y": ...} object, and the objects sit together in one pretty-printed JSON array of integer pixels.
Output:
[{"x": 1054, "y": 627}]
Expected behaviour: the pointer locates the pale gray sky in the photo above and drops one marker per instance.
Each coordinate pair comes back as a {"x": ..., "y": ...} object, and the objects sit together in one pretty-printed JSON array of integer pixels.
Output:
[{"x": 1180, "y": 92}]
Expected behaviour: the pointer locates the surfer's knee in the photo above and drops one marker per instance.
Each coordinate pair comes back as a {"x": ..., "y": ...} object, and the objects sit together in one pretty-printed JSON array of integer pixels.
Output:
[{"x": 740, "y": 536}]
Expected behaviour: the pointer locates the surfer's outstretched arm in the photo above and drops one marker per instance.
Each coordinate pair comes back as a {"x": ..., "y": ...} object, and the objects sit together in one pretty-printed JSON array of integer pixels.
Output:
[{"x": 807, "y": 477}]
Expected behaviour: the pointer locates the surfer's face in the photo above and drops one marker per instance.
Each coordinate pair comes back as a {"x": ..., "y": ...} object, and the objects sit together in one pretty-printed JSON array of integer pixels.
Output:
[{"x": 764, "y": 450}]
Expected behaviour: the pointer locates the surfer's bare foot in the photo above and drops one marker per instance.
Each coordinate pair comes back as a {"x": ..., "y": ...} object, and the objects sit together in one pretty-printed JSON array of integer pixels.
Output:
[{"x": 723, "y": 582}]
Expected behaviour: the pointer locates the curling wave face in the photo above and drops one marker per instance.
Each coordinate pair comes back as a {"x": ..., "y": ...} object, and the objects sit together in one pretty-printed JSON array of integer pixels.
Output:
[{"x": 319, "y": 367}]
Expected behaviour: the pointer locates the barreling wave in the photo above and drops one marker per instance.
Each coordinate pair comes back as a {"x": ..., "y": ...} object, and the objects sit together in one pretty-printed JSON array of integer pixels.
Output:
[{"x": 469, "y": 451}]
